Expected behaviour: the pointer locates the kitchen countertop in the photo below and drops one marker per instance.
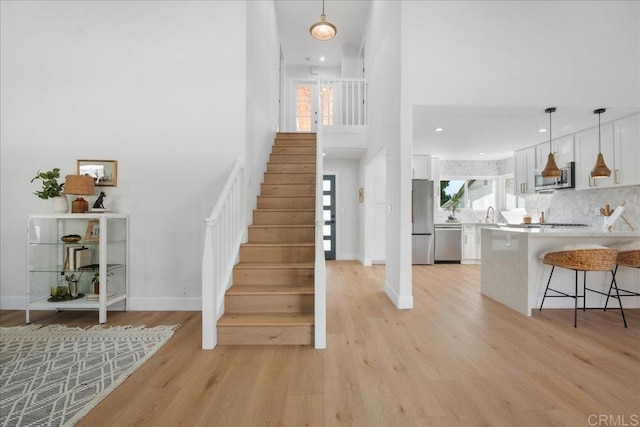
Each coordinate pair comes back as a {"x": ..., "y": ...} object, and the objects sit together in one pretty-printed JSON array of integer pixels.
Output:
[{"x": 569, "y": 232}]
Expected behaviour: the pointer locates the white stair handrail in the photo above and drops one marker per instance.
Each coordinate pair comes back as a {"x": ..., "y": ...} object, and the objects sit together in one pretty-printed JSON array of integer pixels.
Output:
[{"x": 224, "y": 230}]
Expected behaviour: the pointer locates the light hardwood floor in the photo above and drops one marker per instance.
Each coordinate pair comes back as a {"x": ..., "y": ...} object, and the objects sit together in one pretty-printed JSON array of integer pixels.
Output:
[{"x": 457, "y": 358}]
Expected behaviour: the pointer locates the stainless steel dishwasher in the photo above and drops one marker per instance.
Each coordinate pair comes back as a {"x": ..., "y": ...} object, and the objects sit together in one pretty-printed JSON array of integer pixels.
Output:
[{"x": 448, "y": 242}]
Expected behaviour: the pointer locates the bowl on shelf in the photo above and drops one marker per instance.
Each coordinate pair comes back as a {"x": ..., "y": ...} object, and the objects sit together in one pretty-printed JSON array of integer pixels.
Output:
[{"x": 71, "y": 238}]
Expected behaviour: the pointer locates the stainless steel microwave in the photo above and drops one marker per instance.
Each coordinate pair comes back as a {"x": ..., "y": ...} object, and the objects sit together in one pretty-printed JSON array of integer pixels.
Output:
[{"x": 565, "y": 180}]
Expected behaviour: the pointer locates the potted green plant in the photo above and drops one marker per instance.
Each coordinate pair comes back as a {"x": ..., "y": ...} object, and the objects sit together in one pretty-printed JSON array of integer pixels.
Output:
[
  {"x": 452, "y": 205},
  {"x": 51, "y": 189}
]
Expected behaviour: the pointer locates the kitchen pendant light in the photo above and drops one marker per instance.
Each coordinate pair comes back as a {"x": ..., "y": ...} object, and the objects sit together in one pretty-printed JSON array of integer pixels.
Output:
[
  {"x": 323, "y": 30},
  {"x": 600, "y": 170},
  {"x": 551, "y": 169}
]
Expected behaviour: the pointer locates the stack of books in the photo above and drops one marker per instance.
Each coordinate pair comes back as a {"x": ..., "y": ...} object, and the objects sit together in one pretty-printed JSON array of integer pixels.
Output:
[
  {"x": 78, "y": 257},
  {"x": 96, "y": 297}
]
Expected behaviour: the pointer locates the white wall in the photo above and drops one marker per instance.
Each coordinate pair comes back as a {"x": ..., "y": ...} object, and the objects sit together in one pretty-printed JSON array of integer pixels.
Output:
[
  {"x": 375, "y": 201},
  {"x": 158, "y": 86},
  {"x": 382, "y": 62},
  {"x": 263, "y": 62},
  {"x": 347, "y": 230}
]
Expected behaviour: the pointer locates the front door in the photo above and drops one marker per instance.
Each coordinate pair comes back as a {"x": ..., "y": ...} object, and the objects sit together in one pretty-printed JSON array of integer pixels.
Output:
[{"x": 329, "y": 215}]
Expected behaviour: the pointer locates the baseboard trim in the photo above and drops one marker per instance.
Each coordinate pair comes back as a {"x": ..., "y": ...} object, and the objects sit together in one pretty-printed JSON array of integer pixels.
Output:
[
  {"x": 135, "y": 304},
  {"x": 403, "y": 302},
  {"x": 165, "y": 304}
]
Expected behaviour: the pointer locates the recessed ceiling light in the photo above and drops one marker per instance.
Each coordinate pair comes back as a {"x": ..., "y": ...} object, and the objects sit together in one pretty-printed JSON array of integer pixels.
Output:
[
  {"x": 482, "y": 154},
  {"x": 322, "y": 58},
  {"x": 438, "y": 129},
  {"x": 324, "y": 154},
  {"x": 543, "y": 130}
]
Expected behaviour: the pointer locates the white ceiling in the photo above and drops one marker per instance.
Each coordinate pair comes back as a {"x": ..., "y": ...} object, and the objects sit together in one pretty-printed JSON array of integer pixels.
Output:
[
  {"x": 295, "y": 17},
  {"x": 496, "y": 131},
  {"x": 468, "y": 131}
]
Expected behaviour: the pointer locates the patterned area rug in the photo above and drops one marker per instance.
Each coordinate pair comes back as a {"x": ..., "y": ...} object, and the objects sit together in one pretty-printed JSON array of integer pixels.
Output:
[{"x": 54, "y": 375}]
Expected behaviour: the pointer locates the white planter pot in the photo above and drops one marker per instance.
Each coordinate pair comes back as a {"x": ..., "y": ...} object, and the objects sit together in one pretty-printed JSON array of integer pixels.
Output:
[{"x": 60, "y": 204}]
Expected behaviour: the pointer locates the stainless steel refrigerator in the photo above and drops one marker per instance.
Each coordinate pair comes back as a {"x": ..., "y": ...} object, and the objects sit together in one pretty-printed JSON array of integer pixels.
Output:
[{"x": 422, "y": 233}]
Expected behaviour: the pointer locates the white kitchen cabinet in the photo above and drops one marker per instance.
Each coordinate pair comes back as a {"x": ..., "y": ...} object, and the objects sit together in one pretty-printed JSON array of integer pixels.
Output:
[
  {"x": 472, "y": 242},
  {"x": 100, "y": 250},
  {"x": 626, "y": 166},
  {"x": 469, "y": 245},
  {"x": 525, "y": 170},
  {"x": 562, "y": 148},
  {"x": 621, "y": 151},
  {"x": 421, "y": 166}
]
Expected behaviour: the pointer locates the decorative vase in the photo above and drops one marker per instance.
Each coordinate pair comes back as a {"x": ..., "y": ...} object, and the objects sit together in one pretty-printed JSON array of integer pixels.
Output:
[
  {"x": 60, "y": 204},
  {"x": 73, "y": 288},
  {"x": 96, "y": 287}
]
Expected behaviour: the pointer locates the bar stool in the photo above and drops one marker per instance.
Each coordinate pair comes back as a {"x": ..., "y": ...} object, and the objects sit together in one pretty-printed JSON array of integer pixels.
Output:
[
  {"x": 578, "y": 258},
  {"x": 628, "y": 256}
]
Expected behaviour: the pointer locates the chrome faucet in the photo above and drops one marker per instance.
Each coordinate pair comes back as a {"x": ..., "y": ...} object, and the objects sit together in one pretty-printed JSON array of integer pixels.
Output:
[{"x": 493, "y": 215}]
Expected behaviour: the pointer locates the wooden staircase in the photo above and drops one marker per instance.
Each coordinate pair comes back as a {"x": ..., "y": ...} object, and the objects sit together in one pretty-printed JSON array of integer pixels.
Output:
[{"x": 272, "y": 297}]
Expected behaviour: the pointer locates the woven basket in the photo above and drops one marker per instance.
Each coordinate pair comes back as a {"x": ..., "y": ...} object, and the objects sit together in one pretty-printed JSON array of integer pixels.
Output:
[
  {"x": 629, "y": 259},
  {"x": 584, "y": 259}
]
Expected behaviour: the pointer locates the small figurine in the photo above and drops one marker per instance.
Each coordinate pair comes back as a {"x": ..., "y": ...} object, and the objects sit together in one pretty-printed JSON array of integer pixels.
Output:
[{"x": 99, "y": 201}]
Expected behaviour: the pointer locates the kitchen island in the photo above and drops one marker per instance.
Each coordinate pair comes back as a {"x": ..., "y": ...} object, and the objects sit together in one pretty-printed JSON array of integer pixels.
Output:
[{"x": 512, "y": 271}]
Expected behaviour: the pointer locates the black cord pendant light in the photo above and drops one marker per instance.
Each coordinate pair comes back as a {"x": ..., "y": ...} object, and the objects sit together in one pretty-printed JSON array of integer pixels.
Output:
[
  {"x": 551, "y": 169},
  {"x": 600, "y": 170},
  {"x": 323, "y": 30}
]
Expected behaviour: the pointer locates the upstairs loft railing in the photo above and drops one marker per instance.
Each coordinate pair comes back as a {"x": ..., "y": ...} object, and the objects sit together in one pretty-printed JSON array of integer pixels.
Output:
[
  {"x": 343, "y": 104},
  {"x": 224, "y": 229}
]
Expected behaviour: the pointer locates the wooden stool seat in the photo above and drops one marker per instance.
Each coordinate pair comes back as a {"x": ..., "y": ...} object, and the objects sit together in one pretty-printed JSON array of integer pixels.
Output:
[{"x": 587, "y": 258}]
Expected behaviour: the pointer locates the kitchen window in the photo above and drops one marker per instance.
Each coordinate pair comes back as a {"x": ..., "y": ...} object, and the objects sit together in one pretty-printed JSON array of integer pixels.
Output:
[{"x": 474, "y": 194}]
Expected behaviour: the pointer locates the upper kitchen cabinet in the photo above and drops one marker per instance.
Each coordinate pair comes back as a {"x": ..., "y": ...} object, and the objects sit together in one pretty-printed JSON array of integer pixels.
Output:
[
  {"x": 421, "y": 167},
  {"x": 626, "y": 149},
  {"x": 621, "y": 151},
  {"x": 562, "y": 149},
  {"x": 525, "y": 170},
  {"x": 586, "y": 154}
]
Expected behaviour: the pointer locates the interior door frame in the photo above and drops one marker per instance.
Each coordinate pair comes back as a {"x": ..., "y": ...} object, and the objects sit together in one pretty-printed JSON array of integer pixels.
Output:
[{"x": 293, "y": 104}]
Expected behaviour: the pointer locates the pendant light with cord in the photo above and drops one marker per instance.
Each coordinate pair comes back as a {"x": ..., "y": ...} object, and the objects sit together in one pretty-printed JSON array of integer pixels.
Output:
[
  {"x": 551, "y": 170},
  {"x": 323, "y": 30},
  {"x": 600, "y": 170}
]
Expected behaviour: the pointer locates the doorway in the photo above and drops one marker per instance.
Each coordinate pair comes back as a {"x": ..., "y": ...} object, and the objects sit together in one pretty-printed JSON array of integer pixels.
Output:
[{"x": 329, "y": 215}]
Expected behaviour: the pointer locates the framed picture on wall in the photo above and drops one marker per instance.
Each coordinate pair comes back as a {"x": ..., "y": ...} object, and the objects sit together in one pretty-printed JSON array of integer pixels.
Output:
[{"x": 103, "y": 172}]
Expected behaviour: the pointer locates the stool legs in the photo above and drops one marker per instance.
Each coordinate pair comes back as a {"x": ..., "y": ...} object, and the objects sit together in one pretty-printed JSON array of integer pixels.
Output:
[
  {"x": 614, "y": 285},
  {"x": 562, "y": 294},
  {"x": 545, "y": 291}
]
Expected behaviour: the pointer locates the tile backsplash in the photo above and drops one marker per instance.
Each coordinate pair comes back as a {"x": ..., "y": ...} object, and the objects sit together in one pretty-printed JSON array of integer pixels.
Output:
[
  {"x": 584, "y": 206},
  {"x": 570, "y": 206}
]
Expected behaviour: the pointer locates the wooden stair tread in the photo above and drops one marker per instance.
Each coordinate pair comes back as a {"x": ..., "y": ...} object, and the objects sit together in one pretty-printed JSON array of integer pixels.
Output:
[
  {"x": 278, "y": 244},
  {"x": 277, "y": 196},
  {"x": 266, "y": 319},
  {"x": 284, "y": 210},
  {"x": 271, "y": 290},
  {"x": 290, "y": 162},
  {"x": 274, "y": 265},
  {"x": 281, "y": 225}
]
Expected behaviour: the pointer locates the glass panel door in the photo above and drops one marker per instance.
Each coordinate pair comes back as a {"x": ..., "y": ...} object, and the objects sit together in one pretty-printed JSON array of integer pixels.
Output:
[{"x": 329, "y": 215}]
